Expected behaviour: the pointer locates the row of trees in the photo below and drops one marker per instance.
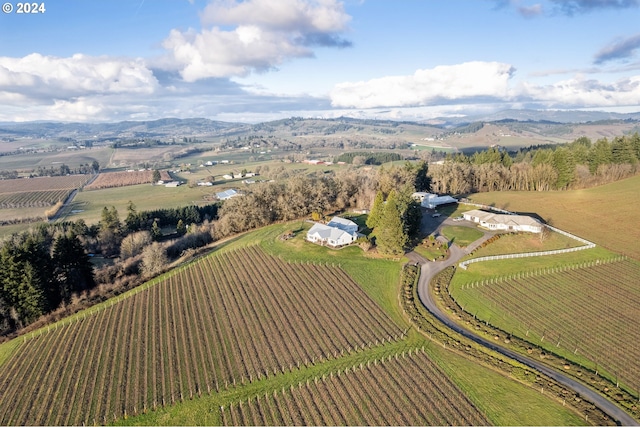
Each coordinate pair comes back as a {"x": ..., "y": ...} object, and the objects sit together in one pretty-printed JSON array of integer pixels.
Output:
[
  {"x": 302, "y": 195},
  {"x": 579, "y": 164}
]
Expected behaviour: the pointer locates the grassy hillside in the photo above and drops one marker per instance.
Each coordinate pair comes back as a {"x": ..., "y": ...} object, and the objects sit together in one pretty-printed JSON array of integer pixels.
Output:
[{"x": 606, "y": 215}]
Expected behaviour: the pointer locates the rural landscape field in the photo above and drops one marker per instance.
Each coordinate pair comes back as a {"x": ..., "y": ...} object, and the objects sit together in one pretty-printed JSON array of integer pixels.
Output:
[
  {"x": 320, "y": 212},
  {"x": 200, "y": 312}
]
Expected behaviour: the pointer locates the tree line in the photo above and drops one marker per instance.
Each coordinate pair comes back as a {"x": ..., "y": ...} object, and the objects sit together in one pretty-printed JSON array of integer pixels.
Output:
[
  {"x": 302, "y": 195},
  {"x": 579, "y": 164},
  {"x": 368, "y": 158},
  {"x": 40, "y": 270}
]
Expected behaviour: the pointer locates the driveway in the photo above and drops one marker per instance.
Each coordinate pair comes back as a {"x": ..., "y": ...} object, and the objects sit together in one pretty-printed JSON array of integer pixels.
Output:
[{"x": 430, "y": 269}]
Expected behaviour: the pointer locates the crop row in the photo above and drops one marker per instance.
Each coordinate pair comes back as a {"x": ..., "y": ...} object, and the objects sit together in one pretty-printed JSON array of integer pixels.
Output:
[
  {"x": 400, "y": 390},
  {"x": 50, "y": 183},
  {"x": 590, "y": 311},
  {"x": 124, "y": 178},
  {"x": 33, "y": 199},
  {"x": 226, "y": 319}
]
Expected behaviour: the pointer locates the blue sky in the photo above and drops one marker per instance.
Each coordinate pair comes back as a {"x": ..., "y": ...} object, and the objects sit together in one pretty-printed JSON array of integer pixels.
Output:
[{"x": 255, "y": 60}]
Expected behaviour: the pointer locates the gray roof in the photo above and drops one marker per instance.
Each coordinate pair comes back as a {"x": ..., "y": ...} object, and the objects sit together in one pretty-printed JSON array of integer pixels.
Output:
[
  {"x": 493, "y": 218},
  {"x": 343, "y": 224},
  {"x": 327, "y": 232}
]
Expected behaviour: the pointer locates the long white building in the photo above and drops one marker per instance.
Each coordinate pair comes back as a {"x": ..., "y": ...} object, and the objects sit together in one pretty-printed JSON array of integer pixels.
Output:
[{"x": 503, "y": 222}]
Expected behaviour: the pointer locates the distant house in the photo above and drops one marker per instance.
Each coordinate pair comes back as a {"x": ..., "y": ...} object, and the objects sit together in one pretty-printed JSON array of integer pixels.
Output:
[
  {"x": 205, "y": 183},
  {"x": 227, "y": 194},
  {"x": 432, "y": 201},
  {"x": 338, "y": 232},
  {"x": 505, "y": 222},
  {"x": 172, "y": 184},
  {"x": 227, "y": 176}
]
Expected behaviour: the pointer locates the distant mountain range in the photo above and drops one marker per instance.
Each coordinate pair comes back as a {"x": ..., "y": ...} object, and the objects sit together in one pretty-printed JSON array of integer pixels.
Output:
[
  {"x": 555, "y": 116},
  {"x": 178, "y": 128}
]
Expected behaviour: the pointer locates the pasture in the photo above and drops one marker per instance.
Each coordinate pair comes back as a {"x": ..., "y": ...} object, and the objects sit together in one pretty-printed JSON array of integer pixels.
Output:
[
  {"x": 73, "y": 158},
  {"x": 124, "y": 178},
  {"x": 88, "y": 205},
  {"x": 606, "y": 215}
]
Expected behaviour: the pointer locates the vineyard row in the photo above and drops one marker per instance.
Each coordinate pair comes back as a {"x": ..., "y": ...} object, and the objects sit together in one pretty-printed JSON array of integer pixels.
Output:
[
  {"x": 406, "y": 389},
  {"x": 226, "y": 319}
]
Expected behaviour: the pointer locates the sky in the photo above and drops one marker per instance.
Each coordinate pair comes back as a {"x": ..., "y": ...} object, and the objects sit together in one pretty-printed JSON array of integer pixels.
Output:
[{"x": 259, "y": 60}]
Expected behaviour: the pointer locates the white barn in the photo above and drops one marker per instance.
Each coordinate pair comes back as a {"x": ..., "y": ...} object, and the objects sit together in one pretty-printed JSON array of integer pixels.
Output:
[
  {"x": 338, "y": 232},
  {"x": 227, "y": 194},
  {"x": 504, "y": 222},
  {"x": 432, "y": 201}
]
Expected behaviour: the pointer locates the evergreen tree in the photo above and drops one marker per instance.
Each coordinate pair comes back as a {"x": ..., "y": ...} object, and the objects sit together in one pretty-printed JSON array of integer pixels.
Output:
[
  {"x": 156, "y": 176},
  {"x": 422, "y": 181},
  {"x": 565, "y": 166},
  {"x": 72, "y": 268},
  {"x": 391, "y": 236},
  {"x": 599, "y": 154},
  {"x": 376, "y": 211},
  {"x": 181, "y": 229},
  {"x": 635, "y": 144},
  {"x": 622, "y": 151},
  {"x": 133, "y": 221},
  {"x": 410, "y": 212},
  {"x": 156, "y": 233}
]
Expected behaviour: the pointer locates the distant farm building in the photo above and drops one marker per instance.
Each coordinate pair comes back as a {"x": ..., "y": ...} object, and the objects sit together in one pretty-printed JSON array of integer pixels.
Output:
[
  {"x": 227, "y": 194},
  {"x": 338, "y": 232},
  {"x": 172, "y": 184},
  {"x": 503, "y": 222},
  {"x": 432, "y": 201},
  {"x": 227, "y": 176}
]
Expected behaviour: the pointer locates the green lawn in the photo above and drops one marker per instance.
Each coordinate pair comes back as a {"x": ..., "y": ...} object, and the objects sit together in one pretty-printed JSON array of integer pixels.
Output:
[
  {"x": 503, "y": 400},
  {"x": 461, "y": 235}
]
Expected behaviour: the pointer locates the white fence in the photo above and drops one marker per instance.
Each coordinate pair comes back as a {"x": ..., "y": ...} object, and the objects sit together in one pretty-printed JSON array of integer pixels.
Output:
[{"x": 586, "y": 244}]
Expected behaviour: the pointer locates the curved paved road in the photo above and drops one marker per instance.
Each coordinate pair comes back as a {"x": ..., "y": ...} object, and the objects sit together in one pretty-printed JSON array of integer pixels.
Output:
[{"x": 430, "y": 269}]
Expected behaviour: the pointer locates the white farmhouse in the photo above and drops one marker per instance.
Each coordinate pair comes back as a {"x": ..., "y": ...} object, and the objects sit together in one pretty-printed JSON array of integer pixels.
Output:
[
  {"x": 505, "y": 222},
  {"x": 338, "y": 232}
]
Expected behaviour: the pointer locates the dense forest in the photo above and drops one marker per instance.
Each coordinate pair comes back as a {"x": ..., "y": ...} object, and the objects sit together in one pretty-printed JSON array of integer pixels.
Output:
[{"x": 579, "y": 164}]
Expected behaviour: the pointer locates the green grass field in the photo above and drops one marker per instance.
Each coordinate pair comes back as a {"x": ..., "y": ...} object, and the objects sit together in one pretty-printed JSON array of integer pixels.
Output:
[
  {"x": 461, "y": 236},
  {"x": 47, "y": 160},
  {"x": 88, "y": 205},
  {"x": 606, "y": 215}
]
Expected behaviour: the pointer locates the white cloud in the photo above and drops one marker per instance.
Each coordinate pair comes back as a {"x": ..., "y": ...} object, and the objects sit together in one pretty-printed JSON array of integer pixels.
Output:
[
  {"x": 579, "y": 92},
  {"x": 483, "y": 83},
  {"x": 304, "y": 16},
  {"x": 36, "y": 76},
  {"x": 428, "y": 86},
  {"x": 263, "y": 35}
]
